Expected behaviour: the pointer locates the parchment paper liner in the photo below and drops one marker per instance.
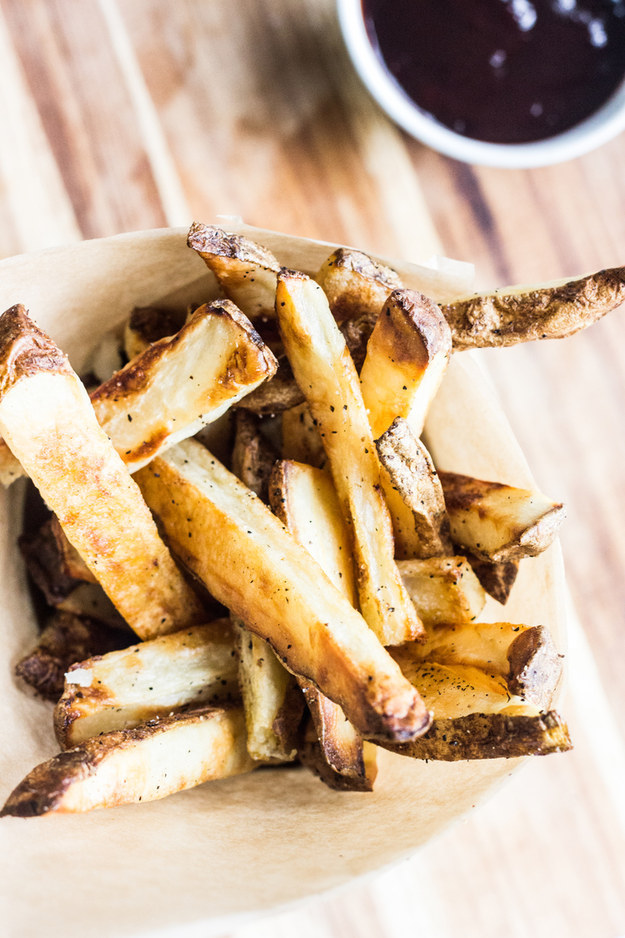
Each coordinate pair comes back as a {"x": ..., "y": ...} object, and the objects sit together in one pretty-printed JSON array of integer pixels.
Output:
[{"x": 250, "y": 843}]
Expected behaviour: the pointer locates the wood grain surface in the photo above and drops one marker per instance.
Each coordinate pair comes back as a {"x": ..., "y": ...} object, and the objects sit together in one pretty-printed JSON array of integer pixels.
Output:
[{"x": 120, "y": 116}]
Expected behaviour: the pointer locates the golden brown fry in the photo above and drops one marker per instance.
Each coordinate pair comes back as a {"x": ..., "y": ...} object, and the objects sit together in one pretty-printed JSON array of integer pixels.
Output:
[
  {"x": 122, "y": 689},
  {"x": 499, "y": 522},
  {"x": 355, "y": 284},
  {"x": 325, "y": 372},
  {"x": 272, "y": 703},
  {"x": 305, "y": 500},
  {"x": 539, "y": 311},
  {"x": 246, "y": 272},
  {"x": 181, "y": 383},
  {"x": 47, "y": 419},
  {"x": 407, "y": 356},
  {"x": 425, "y": 532},
  {"x": 524, "y": 655},
  {"x": 271, "y": 699},
  {"x": 444, "y": 590},
  {"x": 248, "y": 561},
  {"x": 146, "y": 763}
]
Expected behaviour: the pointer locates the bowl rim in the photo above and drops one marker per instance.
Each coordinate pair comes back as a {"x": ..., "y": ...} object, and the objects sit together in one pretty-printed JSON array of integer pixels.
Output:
[{"x": 595, "y": 130}]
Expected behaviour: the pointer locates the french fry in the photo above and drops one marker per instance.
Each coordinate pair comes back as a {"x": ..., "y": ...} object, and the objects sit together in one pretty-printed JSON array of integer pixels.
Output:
[
  {"x": 524, "y": 655},
  {"x": 490, "y": 736},
  {"x": 151, "y": 761},
  {"x": 122, "y": 689},
  {"x": 445, "y": 590},
  {"x": 65, "y": 639},
  {"x": 407, "y": 355},
  {"x": 540, "y": 311},
  {"x": 248, "y": 561},
  {"x": 272, "y": 703},
  {"x": 325, "y": 372},
  {"x": 271, "y": 699},
  {"x": 89, "y": 599},
  {"x": 499, "y": 522},
  {"x": 414, "y": 480},
  {"x": 47, "y": 419},
  {"x": 182, "y": 383},
  {"x": 477, "y": 717},
  {"x": 305, "y": 500},
  {"x": 355, "y": 284},
  {"x": 246, "y": 272}
]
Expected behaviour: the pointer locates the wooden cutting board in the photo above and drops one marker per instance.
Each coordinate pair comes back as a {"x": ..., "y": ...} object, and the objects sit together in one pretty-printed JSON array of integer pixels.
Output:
[{"x": 121, "y": 116}]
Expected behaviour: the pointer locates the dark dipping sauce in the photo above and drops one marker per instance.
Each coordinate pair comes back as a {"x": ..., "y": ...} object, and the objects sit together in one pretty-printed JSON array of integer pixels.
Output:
[{"x": 503, "y": 71}]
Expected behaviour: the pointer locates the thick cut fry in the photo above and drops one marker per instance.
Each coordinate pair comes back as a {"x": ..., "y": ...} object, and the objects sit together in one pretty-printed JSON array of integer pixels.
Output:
[
  {"x": 249, "y": 562},
  {"x": 67, "y": 638},
  {"x": 475, "y": 716},
  {"x": 119, "y": 690},
  {"x": 180, "y": 384},
  {"x": 425, "y": 532},
  {"x": 407, "y": 356},
  {"x": 445, "y": 590},
  {"x": 146, "y": 325},
  {"x": 305, "y": 500},
  {"x": 326, "y": 374},
  {"x": 273, "y": 706},
  {"x": 271, "y": 699},
  {"x": 321, "y": 762},
  {"x": 499, "y": 522},
  {"x": 497, "y": 579},
  {"x": 246, "y": 272},
  {"x": 490, "y": 736},
  {"x": 355, "y": 284},
  {"x": 541, "y": 311},
  {"x": 151, "y": 761},
  {"x": 48, "y": 421},
  {"x": 524, "y": 655}
]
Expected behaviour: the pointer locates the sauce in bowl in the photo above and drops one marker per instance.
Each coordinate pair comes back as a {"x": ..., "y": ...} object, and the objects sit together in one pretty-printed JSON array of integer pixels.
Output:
[{"x": 502, "y": 71}]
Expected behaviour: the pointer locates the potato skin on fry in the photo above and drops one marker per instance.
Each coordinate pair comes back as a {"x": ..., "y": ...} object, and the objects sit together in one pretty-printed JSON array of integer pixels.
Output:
[
  {"x": 355, "y": 284},
  {"x": 522, "y": 314},
  {"x": 489, "y": 736},
  {"x": 146, "y": 763},
  {"x": 245, "y": 270}
]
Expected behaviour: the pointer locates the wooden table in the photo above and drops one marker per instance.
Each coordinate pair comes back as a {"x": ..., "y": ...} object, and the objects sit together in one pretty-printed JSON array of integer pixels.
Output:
[{"x": 121, "y": 116}]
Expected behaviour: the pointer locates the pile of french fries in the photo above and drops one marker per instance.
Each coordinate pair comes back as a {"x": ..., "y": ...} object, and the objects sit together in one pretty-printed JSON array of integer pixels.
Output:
[{"x": 313, "y": 593}]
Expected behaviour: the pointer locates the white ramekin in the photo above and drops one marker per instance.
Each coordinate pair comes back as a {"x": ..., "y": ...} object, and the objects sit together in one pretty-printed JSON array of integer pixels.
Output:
[{"x": 595, "y": 130}]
